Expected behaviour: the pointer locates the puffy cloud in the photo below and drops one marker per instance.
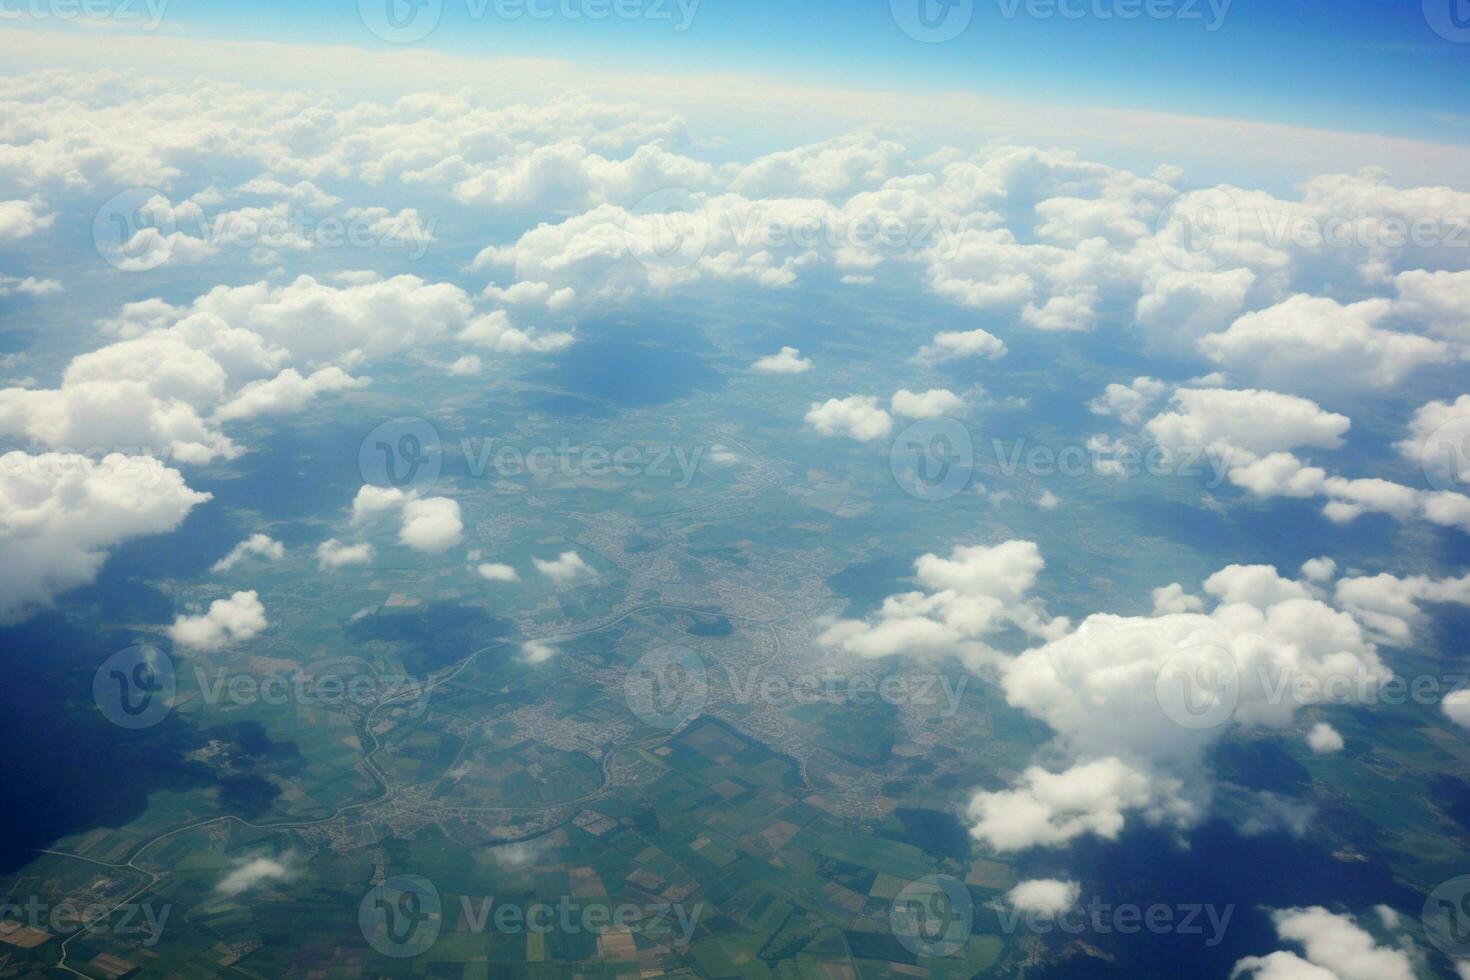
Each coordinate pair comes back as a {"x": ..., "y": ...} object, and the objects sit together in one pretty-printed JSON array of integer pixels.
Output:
[
  {"x": 496, "y": 572},
  {"x": 537, "y": 651},
  {"x": 60, "y": 515},
  {"x": 494, "y": 331},
  {"x": 178, "y": 373},
  {"x": 1179, "y": 307},
  {"x": 428, "y": 524},
  {"x": 1128, "y": 402},
  {"x": 21, "y": 219},
  {"x": 1044, "y": 896},
  {"x": 1319, "y": 569},
  {"x": 1440, "y": 300},
  {"x": 431, "y": 525},
  {"x": 1323, "y": 739},
  {"x": 533, "y": 294},
  {"x": 286, "y": 392},
  {"x": 1390, "y": 606},
  {"x": 1280, "y": 966},
  {"x": 1336, "y": 948},
  {"x": 372, "y": 501},
  {"x": 1446, "y": 460},
  {"x": 1050, "y": 809},
  {"x": 564, "y": 569},
  {"x": 302, "y": 192},
  {"x": 1173, "y": 599},
  {"x": 466, "y": 366},
  {"x": 333, "y": 554},
  {"x": 839, "y": 166},
  {"x": 123, "y": 414},
  {"x": 1313, "y": 341},
  {"x": 29, "y": 286},
  {"x": 1245, "y": 420},
  {"x": 228, "y": 621},
  {"x": 257, "y": 545},
  {"x": 1131, "y": 739},
  {"x": 251, "y": 874},
  {"x": 974, "y": 593},
  {"x": 857, "y": 416},
  {"x": 930, "y": 404},
  {"x": 1254, "y": 585},
  {"x": 955, "y": 344},
  {"x": 1249, "y": 432},
  {"x": 787, "y": 361},
  {"x": 1456, "y": 707}
]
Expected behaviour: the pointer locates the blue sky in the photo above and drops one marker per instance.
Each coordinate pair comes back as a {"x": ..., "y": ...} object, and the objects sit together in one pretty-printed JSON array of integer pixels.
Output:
[{"x": 1364, "y": 65}]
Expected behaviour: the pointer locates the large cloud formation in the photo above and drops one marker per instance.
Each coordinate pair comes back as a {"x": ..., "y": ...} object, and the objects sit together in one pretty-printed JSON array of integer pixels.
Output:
[
  {"x": 1136, "y": 702},
  {"x": 61, "y": 513}
]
